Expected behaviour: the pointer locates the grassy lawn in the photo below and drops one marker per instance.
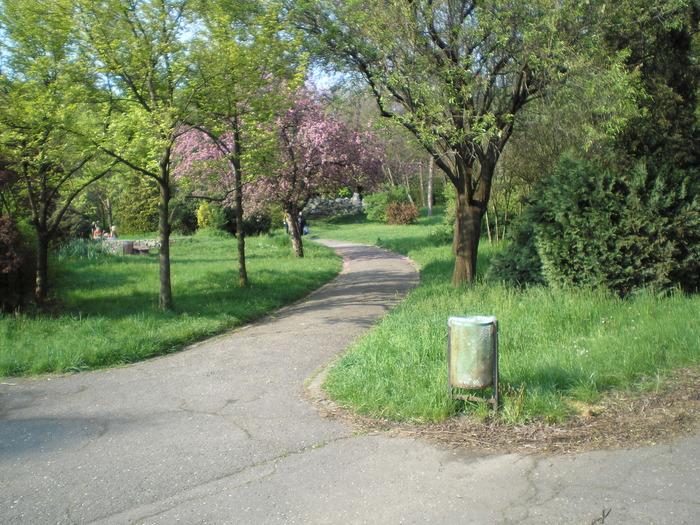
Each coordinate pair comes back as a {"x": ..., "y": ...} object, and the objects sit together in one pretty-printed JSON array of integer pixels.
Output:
[
  {"x": 557, "y": 349},
  {"x": 109, "y": 313}
]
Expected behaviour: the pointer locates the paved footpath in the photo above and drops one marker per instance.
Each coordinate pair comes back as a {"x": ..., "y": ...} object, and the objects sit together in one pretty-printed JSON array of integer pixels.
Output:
[{"x": 223, "y": 434}]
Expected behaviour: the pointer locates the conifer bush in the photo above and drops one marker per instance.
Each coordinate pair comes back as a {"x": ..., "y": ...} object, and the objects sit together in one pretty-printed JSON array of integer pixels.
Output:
[
  {"x": 610, "y": 229},
  {"x": 136, "y": 210}
]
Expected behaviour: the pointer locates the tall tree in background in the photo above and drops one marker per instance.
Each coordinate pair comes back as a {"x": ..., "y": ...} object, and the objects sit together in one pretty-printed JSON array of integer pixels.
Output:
[
  {"x": 456, "y": 73},
  {"x": 663, "y": 46},
  {"x": 248, "y": 65},
  {"x": 626, "y": 216},
  {"x": 316, "y": 154}
]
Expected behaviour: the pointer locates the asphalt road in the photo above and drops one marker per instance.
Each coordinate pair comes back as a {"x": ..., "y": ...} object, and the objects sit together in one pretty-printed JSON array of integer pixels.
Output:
[{"x": 224, "y": 433}]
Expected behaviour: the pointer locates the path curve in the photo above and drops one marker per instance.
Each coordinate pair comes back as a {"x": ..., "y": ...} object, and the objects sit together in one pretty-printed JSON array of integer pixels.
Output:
[
  {"x": 113, "y": 444},
  {"x": 222, "y": 434}
]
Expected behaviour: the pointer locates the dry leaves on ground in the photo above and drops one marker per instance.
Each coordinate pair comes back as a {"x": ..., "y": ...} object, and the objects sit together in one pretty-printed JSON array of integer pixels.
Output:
[{"x": 621, "y": 420}]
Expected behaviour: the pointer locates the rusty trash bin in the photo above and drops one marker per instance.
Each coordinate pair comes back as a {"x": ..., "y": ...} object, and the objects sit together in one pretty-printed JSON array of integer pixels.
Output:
[{"x": 473, "y": 356}]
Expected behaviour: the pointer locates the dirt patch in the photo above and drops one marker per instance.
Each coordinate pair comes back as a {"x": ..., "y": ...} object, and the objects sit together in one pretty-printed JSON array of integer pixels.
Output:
[{"x": 621, "y": 420}]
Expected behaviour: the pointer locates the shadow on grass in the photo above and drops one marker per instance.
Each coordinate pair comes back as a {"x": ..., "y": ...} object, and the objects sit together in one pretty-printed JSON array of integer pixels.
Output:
[
  {"x": 212, "y": 294},
  {"x": 441, "y": 270}
]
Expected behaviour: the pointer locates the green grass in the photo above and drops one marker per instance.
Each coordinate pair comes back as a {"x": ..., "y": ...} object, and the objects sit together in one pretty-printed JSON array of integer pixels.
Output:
[
  {"x": 555, "y": 347},
  {"x": 109, "y": 313}
]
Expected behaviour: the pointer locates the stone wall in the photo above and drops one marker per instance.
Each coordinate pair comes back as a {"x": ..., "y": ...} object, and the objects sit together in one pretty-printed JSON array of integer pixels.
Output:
[
  {"x": 116, "y": 246},
  {"x": 322, "y": 208}
]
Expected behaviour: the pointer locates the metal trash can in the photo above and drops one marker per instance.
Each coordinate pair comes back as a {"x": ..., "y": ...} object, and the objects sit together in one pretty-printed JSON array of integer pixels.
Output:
[
  {"x": 128, "y": 247},
  {"x": 473, "y": 355}
]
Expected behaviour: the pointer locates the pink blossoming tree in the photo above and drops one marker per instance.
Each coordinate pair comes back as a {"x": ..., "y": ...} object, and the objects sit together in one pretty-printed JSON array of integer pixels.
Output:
[{"x": 316, "y": 154}]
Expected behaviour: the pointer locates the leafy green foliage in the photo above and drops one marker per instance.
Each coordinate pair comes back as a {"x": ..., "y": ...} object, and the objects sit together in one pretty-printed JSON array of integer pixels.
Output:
[
  {"x": 136, "y": 210},
  {"x": 210, "y": 215},
  {"x": 457, "y": 75},
  {"x": 609, "y": 229},
  {"x": 376, "y": 204},
  {"x": 519, "y": 262}
]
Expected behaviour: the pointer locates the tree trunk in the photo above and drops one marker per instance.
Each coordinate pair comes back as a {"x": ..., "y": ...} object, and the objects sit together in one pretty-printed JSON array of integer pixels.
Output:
[
  {"x": 240, "y": 237},
  {"x": 468, "y": 218},
  {"x": 240, "y": 234},
  {"x": 431, "y": 189},
  {"x": 41, "y": 289},
  {"x": 422, "y": 185},
  {"x": 165, "y": 296},
  {"x": 290, "y": 215},
  {"x": 107, "y": 212},
  {"x": 495, "y": 214},
  {"x": 387, "y": 172},
  {"x": 471, "y": 202},
  {"x": 488, "y": 227},
  {"x": 407, "y": 185}
]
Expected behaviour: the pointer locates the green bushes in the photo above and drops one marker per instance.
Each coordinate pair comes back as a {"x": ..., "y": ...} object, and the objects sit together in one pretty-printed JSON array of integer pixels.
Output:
[
  {"x": 377, "y": 205},
  {"x": 17, "y": 266},
  {"x": 609, "y": 229},
  {"x": 136, "y": 210},
  {"x": 210, "y": 215},
  {"x": 256, "y": 223}
]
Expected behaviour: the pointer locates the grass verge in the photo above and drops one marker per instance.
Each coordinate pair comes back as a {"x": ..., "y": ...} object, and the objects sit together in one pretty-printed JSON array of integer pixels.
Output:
[
  {"x": 108, "y": 304},
  {"x": 559, "y": 350}
]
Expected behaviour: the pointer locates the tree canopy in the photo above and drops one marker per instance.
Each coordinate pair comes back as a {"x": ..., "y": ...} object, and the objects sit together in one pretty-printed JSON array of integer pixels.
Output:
[{"x": 457, "y": 73}]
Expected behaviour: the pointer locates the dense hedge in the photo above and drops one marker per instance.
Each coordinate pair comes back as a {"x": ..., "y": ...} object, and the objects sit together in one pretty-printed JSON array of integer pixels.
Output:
[{"x": 603, "y": 228}]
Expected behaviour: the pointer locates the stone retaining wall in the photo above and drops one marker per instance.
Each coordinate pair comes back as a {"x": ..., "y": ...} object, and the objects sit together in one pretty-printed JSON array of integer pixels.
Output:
[
  {"x": 117, "y": 245},
  {"x": 322, "y": 208}
]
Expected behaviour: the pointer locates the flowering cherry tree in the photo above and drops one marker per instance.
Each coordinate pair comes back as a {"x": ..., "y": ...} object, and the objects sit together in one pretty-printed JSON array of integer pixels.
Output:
[
  {"x": 316, "y": 154},
  {"x": 209, "y": 165},
  {"x": 313, "y": 153}
]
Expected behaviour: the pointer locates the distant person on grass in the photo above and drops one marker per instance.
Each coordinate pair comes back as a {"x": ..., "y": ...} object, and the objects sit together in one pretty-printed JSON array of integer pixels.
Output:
[{"x": 303, "y": 228}]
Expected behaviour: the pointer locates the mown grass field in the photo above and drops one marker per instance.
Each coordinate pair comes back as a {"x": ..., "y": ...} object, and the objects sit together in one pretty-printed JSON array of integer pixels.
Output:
[
  {"x": 557, "y": 349},
  {"x": 107, "y": 311}
]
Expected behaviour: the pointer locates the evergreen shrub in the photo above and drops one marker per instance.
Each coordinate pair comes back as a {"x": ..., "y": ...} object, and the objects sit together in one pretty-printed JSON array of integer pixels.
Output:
[
  {"x": 605, "y": 228},
  {"x": 185, "y": 217},
  {"x": 136, "y": 210},
  {"x": 255, "y": 223}
]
